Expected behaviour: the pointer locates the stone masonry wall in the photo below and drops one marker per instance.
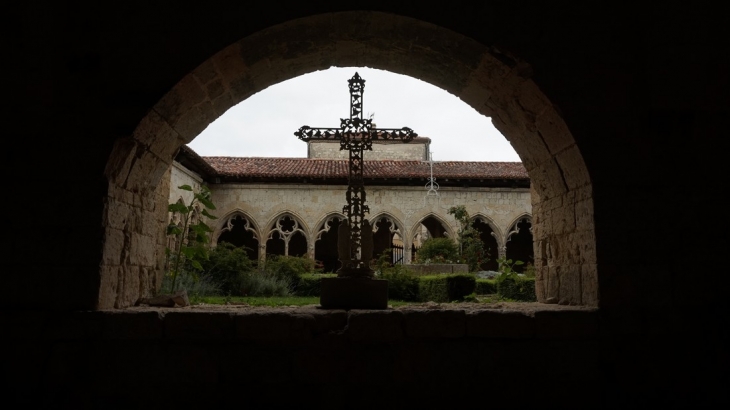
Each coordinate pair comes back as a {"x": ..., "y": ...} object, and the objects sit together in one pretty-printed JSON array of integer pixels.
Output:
[
  {"x": 414, "y": 151},
  {"x": 179, "y": 175},
  {"x": 407, "y": 206}
]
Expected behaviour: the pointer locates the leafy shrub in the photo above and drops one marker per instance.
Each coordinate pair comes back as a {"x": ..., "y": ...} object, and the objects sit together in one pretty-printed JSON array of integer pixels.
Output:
[
  {"x": 402, "y": 283},
  {"x": 446, "y": 288},
  {"x": 263, "y": 283},
  {"x": 196, "y": 285},
  {"x": 486, "y": 286},
  {"x": 471, "y": 248},
  {"x": 438, "y": 250},
  {"x": 310, "y": 283},
  {"x": 512, "y": 285},
  {"x": 289, "y": 268},
  {"x": 229, "y": 266},
  {"x": 529, "y": 270},
  {"x": 516, "y": 287}
]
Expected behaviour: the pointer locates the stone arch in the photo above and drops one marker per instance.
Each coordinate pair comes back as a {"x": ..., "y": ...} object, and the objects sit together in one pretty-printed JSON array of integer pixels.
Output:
[
  {"x": 491, "y": 236},
  {"x": 437, "y": 227},
  {"x": 240, "y": 229},
  {"x": 286, "y": 234},
  {"x": 492, "y": 81},
  {"x": 325, "y": 242},
  {"x": 387, "y": 230},
  {"x": 518, "y": 242}
]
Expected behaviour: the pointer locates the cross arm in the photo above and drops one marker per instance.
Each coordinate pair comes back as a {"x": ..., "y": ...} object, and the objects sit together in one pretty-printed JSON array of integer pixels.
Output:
[
  {"x": 405, "y": 134},
  {"x": 307, "y": 133}
]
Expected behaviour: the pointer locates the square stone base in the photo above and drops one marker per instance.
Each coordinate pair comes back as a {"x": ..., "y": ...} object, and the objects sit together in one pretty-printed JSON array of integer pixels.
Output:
[{"x": 350, "y": 293}]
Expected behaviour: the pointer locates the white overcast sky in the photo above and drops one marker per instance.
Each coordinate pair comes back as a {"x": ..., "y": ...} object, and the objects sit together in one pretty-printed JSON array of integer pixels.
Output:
[{"x": 264, "y": 124}]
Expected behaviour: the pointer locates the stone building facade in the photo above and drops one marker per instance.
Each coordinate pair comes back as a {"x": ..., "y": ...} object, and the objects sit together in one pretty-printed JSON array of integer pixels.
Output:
[{"x": 291, "y": 205}]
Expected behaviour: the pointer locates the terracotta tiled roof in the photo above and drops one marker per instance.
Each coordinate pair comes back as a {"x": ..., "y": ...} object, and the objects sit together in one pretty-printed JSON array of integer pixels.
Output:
[{"x": 252, "y": 167}]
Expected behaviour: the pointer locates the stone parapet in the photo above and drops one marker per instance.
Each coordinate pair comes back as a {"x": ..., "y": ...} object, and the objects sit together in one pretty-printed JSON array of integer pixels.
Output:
[{"x": 297, "y": 325}]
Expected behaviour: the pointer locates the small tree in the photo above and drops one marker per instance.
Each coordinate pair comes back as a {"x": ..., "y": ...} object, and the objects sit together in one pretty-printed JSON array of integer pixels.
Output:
[
  {"x": 229, "y": 267},
  {"x": 471, "y": 247},
  {"x": 192, "y": 234},
  {"x": 437, "y": 250}
]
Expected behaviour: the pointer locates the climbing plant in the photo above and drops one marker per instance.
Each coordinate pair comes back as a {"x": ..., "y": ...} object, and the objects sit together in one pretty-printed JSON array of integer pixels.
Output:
[
  {"x": 471, "y": 247},
  {"x": 191, "y": 233}
]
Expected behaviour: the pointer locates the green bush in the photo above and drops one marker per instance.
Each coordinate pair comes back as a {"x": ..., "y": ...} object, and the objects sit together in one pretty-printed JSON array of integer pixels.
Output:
[
  {"x": 486, "y": 286},
  {"x": 263, "y": 283},
  {"x": 512, "y": 286},
  {"x": 229, "y": 267},
  {"x": 446, "y": 288},
  {"x": 438, "y": 250},
  {"x": 471, "y": 247},
  {"x": 402, "y": 283},
  {"x": 196, "y": 285},
  {"x": 310, "y": 283},
  {"x": 289, "y": 268}
]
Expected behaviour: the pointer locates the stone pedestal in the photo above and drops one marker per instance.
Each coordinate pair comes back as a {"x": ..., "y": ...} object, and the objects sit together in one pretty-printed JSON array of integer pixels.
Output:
[{"x": 353, "y": 293}]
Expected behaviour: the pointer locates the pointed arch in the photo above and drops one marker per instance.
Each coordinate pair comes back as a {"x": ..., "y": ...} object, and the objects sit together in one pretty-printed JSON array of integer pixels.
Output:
[
  {"x": 239, "y": 228},
  {"x": 491, "y": 236},
  {"x": 325, "y": 242},
  {"x": 435, "y": 225},
  {"x": 519, "y": 242},
  {"x": 324, "y": 224},
  {"x": 388, "y": 233},
  {"x": 286, "y": 234}
]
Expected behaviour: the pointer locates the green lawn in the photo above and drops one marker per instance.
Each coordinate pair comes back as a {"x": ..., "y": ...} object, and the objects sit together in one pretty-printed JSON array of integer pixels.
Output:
[{"x": 272, "y": 301}]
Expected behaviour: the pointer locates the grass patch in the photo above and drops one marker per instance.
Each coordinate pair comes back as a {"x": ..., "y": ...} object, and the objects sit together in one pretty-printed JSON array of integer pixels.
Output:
[
  {"x": 273, "y": 301},
  {"x": 259, "y": 300},
  {"x": 494, "y": 298}
]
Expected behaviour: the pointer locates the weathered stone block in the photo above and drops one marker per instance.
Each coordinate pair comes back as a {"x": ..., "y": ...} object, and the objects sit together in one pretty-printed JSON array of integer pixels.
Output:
[
  {"x": 355, "y": 293},
  {"x": 273, "y": 326},
  {"x": 375, "y": 325},
  {"x": 327, "y": 321},
  {"x": 434, "y": 323},
  {"x": 132, "y": 325},
  {"x": 198, "y": 325},
  {"x": 570, "y": 285},
  {"x": 500, "y": 324},
  {"x": 566, "y": 324}
]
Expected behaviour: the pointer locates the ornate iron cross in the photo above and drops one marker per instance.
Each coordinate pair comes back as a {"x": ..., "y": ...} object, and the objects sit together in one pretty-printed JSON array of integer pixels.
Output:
[{"x": 355, "y": 135}]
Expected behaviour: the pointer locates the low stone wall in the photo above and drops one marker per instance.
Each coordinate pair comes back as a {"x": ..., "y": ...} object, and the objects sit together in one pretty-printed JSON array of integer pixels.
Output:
[
  {"x": 433, "y": 268},
  {"x": 513, "y": 355}
]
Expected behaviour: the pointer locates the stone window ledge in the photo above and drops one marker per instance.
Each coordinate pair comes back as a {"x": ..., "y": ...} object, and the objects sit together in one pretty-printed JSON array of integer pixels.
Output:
[{"x": 297, "y": 325}]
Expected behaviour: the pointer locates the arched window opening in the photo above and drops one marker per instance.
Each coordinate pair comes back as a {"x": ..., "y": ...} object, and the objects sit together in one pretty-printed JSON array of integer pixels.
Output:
[
  {"x": 286, "y": 238},
  {"x": 487, "y": 235},
  {"x": 325, "y": 247},
  {"x": 384, "y": 233},
  {"x": 429, "y": 227},
  {"x": 519, "y": 244},
  {"x": 238, "y": 232}
]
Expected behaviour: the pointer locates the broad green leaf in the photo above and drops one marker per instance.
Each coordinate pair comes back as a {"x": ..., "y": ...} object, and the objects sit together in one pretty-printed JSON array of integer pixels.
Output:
[
  {"x": 197, "y": 229},
  {"x": 185, "y": 187},
  {"x": 188, "y": 252},
  {"x": 197, "y": 265},
  {"x": 177, "y": 208},
  {"x": 174, "y": 230},
  {"x": 205, "y": 212},
  {"x": 206, "y": 202}
]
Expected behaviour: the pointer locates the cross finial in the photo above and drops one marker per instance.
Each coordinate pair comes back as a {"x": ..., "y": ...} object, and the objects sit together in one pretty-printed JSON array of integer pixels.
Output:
[{"x": 431, "y": 186}]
